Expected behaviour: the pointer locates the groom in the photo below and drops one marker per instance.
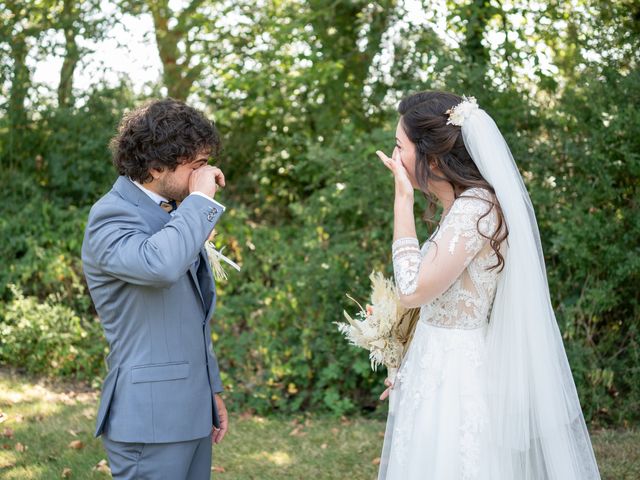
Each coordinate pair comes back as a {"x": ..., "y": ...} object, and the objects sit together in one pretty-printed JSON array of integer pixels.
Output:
[{"x": 152, "y": 287}]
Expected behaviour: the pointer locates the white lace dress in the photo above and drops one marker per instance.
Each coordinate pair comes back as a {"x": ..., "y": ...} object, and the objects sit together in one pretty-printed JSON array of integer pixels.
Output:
[{"x": 438, "y": 425}]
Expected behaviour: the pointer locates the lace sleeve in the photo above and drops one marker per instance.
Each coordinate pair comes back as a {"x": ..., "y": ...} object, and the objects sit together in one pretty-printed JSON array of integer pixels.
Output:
[
  {"x": 406, "y": 264},
  {"x": 466, "y": 227},
  {"x": 455, "y": 244}
]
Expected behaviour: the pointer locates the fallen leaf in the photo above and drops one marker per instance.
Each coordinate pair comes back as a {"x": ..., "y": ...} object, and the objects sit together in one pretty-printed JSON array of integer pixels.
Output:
[
  {"x": 297, "y": 432},
  {"x": 76, "y": 445},
  {"x": 334, "y": 430},
  {"x": 19, "y": 418},
  {"x": 381, "y": 434},
  {"x": 73, "y": 433},
  {"x": 376, "y": 461},
  {"x": 20, "y": 447},
  {"x": 66, "y": 473},
  {"x": 6, "y": 446},
  {"x": 102, "y": 466},
  {"x": 324, "y": 446},
  {"x": 7, "y": 433},
  {"x": 3, "y": 417},
  {"x": 217, "y": 469}
]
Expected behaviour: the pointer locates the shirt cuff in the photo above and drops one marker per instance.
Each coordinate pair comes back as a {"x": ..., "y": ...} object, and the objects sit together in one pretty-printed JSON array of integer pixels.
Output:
[{"x": 218, "y": 204}]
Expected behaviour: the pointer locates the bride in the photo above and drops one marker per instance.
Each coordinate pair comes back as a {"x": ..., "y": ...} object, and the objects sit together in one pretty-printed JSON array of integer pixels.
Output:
[{"x": 485, "y": 390}]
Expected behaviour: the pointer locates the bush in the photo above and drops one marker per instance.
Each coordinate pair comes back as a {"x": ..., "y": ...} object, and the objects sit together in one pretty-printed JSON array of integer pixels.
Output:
[
  {"x": 275, "y": 332},
  {"x": 49, "y": 338},
  {"x": 585, "y": 183},
  {"x": 49, "y": 188},
  {"x": 314, "y": 225}
]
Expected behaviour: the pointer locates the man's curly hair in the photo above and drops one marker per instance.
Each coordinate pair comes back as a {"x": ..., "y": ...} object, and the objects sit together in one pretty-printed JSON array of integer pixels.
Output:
[{"x": 161, "y": 134}]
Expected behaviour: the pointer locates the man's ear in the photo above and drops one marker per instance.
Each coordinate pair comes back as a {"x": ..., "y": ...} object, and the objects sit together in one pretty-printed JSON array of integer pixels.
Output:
[{"x": 155, "y": 174}]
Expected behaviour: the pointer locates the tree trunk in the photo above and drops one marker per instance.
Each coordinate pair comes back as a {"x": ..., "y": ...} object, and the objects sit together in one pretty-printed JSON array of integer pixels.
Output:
[
  {"x": 339, "y": 34},
  {"x": 20, "y": 81},
  {"x": 71, "y": 58},
  {"x": 177, "y": 75}
]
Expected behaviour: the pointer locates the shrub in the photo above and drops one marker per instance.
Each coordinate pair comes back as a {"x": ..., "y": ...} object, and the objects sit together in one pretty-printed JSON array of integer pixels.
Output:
[{"x": 49, "y": 338}]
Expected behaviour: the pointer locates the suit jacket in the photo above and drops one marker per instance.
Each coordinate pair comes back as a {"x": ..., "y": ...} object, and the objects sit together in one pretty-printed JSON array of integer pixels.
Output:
[{"x": 154, "y": 306}]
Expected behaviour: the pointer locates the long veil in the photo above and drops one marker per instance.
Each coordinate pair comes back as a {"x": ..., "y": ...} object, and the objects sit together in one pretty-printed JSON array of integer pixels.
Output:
[{"x": 539, "y": 431}]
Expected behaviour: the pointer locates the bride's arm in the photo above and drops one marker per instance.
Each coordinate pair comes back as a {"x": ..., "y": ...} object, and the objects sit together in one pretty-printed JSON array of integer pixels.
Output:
[
  {"x": 404, "y": 224},
  {"x": 422, "y": 279}
]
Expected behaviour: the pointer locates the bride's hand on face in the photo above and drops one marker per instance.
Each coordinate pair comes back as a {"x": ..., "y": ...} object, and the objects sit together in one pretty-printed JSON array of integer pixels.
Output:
[
  {"x": 389, "y": 385},
  {"x": 404, "y": 188}
]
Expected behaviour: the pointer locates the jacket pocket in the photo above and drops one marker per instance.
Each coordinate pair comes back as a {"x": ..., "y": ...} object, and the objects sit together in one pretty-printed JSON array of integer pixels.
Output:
[{"x": 159, "y": 372}]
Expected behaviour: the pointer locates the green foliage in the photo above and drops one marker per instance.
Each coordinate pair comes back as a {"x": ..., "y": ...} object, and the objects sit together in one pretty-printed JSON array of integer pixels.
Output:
[
  {"x": 303, "y": 102},
  {"x": 586, "y": 186},
  {"x": 47, "y": 322},
  {"x": 42, "y": 238},
  {"x": 49, "y": 338},
  {"x": 279, "y": 314},
  {"x": 77, "y": 164}
]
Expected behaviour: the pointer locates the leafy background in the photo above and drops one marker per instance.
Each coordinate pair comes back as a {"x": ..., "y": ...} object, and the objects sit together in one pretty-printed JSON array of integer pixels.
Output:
[{"x": 304, "y": 93}]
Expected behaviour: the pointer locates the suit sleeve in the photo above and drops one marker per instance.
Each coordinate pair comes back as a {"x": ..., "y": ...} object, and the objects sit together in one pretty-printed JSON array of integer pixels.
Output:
[{"x": 118, "y": 245}]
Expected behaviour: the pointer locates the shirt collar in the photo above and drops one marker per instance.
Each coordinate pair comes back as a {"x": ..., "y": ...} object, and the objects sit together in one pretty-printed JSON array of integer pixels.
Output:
[{"x": 152, "y": 195}]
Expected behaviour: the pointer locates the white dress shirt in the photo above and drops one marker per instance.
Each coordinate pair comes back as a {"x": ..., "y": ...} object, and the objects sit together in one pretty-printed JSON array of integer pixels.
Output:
[{"x": 159, "y": 198}]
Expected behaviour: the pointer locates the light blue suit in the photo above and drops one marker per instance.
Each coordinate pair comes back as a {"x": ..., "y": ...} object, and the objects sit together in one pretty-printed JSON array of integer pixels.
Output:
[{"x": 140, "y": 265}]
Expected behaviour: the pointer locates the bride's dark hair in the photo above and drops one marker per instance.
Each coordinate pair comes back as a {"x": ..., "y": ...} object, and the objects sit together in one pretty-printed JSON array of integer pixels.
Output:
[{"x": 424, "y": 119}]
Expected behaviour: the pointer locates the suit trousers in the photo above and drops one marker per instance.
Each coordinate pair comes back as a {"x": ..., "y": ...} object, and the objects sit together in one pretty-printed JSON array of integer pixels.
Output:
[{"x": 190, "y": 460}]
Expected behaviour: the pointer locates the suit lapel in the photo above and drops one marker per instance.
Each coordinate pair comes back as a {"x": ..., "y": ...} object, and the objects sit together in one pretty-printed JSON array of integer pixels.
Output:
[
  {"x": 207, "y": 284},
  {"x": 194, "y": 277}
]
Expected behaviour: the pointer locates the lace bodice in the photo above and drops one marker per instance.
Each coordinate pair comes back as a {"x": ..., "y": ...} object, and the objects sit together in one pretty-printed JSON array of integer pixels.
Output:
[{"x": 450, "y": 276}]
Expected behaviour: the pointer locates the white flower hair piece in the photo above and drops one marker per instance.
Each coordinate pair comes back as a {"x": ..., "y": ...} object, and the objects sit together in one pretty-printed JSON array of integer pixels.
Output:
[{"x": 462, "y": 111}]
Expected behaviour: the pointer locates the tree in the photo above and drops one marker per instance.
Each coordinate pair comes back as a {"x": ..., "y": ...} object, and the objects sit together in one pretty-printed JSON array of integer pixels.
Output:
[
  {"x": 22, "y": 24},
  {"x": 285, "y": 74},
  {"x": 179, "y": 38},
  {"x": 77, "y": 18}
]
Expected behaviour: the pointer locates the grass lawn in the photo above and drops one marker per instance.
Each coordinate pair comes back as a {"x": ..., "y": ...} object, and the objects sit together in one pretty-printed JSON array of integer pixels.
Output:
[{"x": 46, "y": 433}]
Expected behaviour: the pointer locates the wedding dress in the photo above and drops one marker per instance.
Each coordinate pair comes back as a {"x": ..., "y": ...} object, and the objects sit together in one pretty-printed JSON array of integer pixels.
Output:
[
  {"x": 485, "y": 390},
  {"x": 438, "y": 427}
]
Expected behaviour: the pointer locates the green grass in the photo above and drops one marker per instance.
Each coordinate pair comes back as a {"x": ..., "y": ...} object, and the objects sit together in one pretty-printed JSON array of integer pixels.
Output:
[{"x": 39, "y": 420}]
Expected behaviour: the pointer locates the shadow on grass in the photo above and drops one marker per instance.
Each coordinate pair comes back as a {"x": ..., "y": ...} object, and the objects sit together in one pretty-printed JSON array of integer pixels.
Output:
[{"x": 39, "y": 421}]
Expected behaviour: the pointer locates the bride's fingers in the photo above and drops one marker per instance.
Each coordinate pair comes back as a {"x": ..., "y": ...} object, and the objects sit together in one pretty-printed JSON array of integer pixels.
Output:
[
  {"x": 386, "y": 160},
  {"x": 387, "y": 382},
  {"x": 396, "y": 159},
  {"x": 385, "y": 394}
]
